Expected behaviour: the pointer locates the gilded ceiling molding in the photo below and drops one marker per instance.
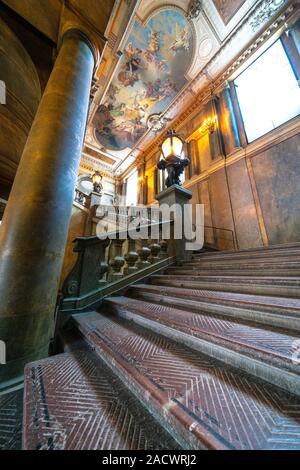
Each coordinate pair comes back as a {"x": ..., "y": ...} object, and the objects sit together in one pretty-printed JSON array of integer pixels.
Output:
[
  {"x": 89, "y": 169},
  {"x": 96, "y": 164}
]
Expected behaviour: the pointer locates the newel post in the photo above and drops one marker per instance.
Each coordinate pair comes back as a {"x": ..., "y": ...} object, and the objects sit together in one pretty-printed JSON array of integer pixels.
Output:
[
  {"x": 171, "y": 202},
  {"x": 89, "y": 268}
]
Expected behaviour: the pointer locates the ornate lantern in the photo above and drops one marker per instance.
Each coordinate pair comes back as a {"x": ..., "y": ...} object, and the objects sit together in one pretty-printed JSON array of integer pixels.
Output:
[
  {"x": 173, "y": 159},
  {"x": 97, "y": 179}
]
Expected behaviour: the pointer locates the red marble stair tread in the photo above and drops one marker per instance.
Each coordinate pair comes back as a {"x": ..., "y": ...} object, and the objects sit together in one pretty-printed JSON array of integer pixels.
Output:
[
  {"x": 294, "y": 271},
  {"x": 279, "y": 251},
  {"x": 273, "y": 346},
  {"x": 73, "y": 403},
  {"x": 279, "y": 280},
  {"x": 240, "y": 411},
  {"x": 202, "y": 294},
  {"x": 245, "y": 263}
]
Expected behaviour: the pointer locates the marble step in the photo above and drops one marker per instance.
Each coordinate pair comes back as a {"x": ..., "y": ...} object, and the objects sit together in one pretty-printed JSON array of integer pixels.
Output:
[
  {"x": 264, "y": 353},
  {"x": 259, "y": 285},
  {"x": 203, "y": 402},
  {"x": 236, "y": 270},
  {"x": 248, "y": 262},
  {"x": 293, "y": 248},
  {"x": 74, "y": 402},
  {"x": 273, "y": 311}
]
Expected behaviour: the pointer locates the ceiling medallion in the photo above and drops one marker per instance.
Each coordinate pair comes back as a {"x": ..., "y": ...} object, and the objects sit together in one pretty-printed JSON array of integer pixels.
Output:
[
  {"x": 194, "y": 10},
  {"x": 266, "y": 11},
  {"x": 157, "y": 122}
]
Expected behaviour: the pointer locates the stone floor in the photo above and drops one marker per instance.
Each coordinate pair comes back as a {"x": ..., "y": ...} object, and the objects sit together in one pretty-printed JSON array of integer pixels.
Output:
[{"x": 11, "y": 411}]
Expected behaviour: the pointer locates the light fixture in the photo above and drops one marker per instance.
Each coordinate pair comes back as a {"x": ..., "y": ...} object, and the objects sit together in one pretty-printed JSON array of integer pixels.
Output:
[
  {"x": 97, "y": 179},
  {"x": 173, "y": 159},
  {"x": 209, "y": 125}
]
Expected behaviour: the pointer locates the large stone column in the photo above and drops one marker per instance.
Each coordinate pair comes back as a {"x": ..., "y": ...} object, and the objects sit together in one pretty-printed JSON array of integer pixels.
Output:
[
  {"x": 228, "y": 122},
  {"x": 35, "y": 225}
]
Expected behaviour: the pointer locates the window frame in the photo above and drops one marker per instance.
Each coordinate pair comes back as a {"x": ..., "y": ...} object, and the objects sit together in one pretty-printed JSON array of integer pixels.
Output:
[{"x": 233, "y": 90}]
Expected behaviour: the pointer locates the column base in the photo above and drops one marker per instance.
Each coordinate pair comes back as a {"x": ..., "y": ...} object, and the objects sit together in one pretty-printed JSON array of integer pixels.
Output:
[{"x": 12, "y": 373}]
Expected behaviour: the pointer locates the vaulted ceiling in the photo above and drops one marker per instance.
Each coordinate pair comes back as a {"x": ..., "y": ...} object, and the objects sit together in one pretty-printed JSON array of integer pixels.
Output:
[{"x": 168, "y": 54}]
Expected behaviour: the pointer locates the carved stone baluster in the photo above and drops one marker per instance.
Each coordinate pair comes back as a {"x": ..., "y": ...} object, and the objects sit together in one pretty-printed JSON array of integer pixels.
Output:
[
  {"x": 144, "y": 253},
  {"x": 131, "y": 258},
  {"x": 155, "y": 250},
  {"x": 117, "y": 260},
  {"x": 103, "y": 270},
  {"x": 163, "y": 245}
]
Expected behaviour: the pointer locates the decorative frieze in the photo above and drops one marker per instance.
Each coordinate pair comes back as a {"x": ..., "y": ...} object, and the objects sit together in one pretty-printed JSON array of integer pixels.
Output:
[{"x": 266, "y": 11}]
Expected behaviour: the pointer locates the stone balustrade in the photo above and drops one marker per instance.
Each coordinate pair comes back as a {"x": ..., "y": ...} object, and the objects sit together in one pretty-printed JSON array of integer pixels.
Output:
[{"x": 106, "y": 265}]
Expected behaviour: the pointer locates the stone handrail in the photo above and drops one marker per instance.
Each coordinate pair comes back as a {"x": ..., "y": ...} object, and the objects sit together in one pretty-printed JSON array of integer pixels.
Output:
[
  {"x": 82, "y": 199},
  {"x": 108, "y": 265}
]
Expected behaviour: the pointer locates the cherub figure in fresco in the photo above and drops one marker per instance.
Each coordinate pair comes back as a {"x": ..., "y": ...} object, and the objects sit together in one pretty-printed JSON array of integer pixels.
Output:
[
  {"x": 133, "y": 58},
  {"x": 168, "y": 88},
  {"x": 159, "y": 89},
  {"x": 150, "y": 53},
  {"x": 111, "y": 94},
  {"x": 154, "y": 45},
  {"x": 182, "y": 40},
  {"x": 136, "y": 113},
  {"x": 127, "y": 78},
  {"x": 118, "y": 110},
  {"x": 153, "y": 89},
  {"x": 103, "y": 117}
]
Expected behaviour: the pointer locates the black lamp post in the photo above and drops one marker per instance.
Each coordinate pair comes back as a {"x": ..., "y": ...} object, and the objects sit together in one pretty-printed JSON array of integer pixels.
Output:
[
  {"x": 173, "y": 159},
  {"x": 96, "y": 179}
]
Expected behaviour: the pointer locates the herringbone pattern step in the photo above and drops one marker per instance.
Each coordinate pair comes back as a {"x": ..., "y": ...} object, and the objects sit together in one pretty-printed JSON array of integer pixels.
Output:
[
  {"x": 252, "y": 346},
  {"x": 264, "y": 285},
  {"x": 293, "y": 305},
  {"x": 277, "y": 344},
  {"x": 73, "y": 402},
  {"x": 11, "y": 411},
  {"x": 257, "y": 309},
  {"x": 290, "y": 249},
  {"x": 229, "y": 408}
]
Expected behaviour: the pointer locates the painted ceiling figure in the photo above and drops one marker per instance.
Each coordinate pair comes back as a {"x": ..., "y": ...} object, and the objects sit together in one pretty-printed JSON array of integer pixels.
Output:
[
  {"x": 154, "y": 42},
  {"x": 182, "y": 40}
]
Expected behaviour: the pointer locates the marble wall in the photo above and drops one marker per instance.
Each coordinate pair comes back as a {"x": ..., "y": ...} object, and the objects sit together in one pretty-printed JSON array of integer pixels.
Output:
[
  {"x": 243, "y": 206},
  {"x": 277, "y": 177},
  {"x": 256, "y": 197}
]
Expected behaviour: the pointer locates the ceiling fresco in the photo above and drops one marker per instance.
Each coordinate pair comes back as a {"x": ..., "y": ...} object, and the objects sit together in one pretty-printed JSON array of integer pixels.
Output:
[
  {"x": 151, "y": 73},
  {"x": 228, "y": 8}
]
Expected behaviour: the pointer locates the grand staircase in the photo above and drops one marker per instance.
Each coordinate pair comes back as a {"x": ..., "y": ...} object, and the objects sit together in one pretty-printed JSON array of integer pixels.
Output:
[{"x": 203, "y": 356}]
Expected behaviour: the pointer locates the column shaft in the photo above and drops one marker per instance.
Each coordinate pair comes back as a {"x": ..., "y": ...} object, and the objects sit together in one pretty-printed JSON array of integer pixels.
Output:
[{"x": 35, "y": 225}]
